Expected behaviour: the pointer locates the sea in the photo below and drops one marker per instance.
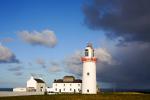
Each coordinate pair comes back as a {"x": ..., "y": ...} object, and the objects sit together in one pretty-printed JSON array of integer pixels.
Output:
[{"x": 6, "y": 89}]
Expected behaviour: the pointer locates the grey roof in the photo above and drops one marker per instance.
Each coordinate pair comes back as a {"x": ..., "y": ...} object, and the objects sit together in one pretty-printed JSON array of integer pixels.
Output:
[
  {"x": 39, "y": 80},
  {"x": 68, "y": 79},
  {"x": 61, "y": 81}
]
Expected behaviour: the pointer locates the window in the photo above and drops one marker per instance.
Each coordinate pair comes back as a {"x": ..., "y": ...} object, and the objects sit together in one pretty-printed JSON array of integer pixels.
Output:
[
  {"x": 55, "y": 89},
  {"x": 64, "y": 84},
  {"x": 78, "y": 84},
  {"x": 88, "y": 73},
  {"x": 64, "y": 89},
  {"x": 41, "y": 89},
  {"x": 60, "y": 90},
  {"x": 87, "y": 90},
  {"x": 86, "y": 52},
  {"x": 70, "y": 84},
  {"x": 55, "y": 84},
  {"x": 93, "y": 53},
  {"x": 70, "y": 89}
]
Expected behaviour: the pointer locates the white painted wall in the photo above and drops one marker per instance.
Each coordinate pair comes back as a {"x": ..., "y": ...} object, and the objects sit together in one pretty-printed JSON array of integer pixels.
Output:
[
  {"x": 89, "y": 81},
  {"x": 89, "y": 73},
  {"x": 67, "y": 87},
  {"x": 41, "y": 87},
  {"x": 19, "y": 89},
  {"x": 31, "y": 83}
]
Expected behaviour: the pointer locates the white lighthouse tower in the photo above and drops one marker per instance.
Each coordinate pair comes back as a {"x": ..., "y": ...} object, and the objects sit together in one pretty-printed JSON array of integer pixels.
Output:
[{"x": 89, "y": 71}]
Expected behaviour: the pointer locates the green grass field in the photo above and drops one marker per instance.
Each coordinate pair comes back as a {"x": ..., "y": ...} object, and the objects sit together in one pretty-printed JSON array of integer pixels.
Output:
[{"x": 104, "y": 96}]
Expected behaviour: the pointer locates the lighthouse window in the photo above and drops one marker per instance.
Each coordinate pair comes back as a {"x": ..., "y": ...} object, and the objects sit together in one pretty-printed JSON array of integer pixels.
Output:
[
  {"x": 93, "y": 53},
  {"x": 88, "y": 73},
  {"x": 86, "y": 52}
]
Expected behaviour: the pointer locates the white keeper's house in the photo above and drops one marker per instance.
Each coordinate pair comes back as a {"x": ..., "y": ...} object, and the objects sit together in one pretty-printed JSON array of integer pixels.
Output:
[
  {"x": 66, "y": 85},
  {"x": 36, "y": 85}
]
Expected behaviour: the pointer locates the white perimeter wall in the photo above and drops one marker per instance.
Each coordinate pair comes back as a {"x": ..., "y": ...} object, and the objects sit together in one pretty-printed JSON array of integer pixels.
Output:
[{"x": 19, "y": 89}]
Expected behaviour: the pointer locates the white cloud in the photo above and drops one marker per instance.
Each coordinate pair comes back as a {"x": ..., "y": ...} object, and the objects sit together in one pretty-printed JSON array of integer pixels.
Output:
[
  {"x": 45, "y": 38},
  {"x": 103, "y": 55},
  {"x": 6, "y": 56},
  {"x": 41, "y": 62},
  {"x": 73, "y": 63},
  {"x": 18, "y": 73},
  {"x": 17, "y": 68},
  {"x": 7, "y": 40},
  {"x": 55, "y": 67}
]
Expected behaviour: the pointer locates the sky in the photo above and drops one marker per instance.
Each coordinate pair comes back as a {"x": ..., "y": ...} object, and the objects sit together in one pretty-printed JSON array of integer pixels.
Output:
[{"x": 46, "y": 38}]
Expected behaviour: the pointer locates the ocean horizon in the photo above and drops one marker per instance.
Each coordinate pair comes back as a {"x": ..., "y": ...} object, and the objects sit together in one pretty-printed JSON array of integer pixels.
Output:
[{"x": 6, "y": 89}]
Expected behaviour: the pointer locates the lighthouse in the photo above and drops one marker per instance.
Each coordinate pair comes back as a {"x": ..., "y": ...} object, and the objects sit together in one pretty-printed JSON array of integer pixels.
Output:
[{"x": 89, "y": 71}]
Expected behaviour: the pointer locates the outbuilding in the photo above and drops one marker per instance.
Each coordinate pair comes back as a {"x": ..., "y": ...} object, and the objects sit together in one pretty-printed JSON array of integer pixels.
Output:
[{"x": 36, "y": 85}]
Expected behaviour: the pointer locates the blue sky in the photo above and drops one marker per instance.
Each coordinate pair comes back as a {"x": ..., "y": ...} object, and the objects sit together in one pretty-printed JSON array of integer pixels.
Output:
[
  {"x": 64, "y": 18},
  {"x": 48, "y": 37}
]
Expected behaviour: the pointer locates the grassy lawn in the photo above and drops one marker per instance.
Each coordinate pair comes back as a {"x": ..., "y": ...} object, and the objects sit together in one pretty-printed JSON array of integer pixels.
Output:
[{"x": 106, "y": 96}]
